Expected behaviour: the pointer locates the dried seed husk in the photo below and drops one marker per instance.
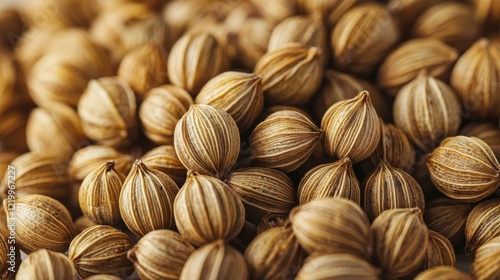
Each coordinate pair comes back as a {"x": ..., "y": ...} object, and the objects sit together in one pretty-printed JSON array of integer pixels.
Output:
[
  {"x": 57, "y": 130},
  {"x": 62, "y": 74},
  {"x": 46, "y": 265},
  {"x": 443, "y": 273},
  {"x": 428, "y": 111},
  {"x": 144, "y": 68},
  {"x": 486, "y": 265},
  {"x": 273, "y": 254},
  {"x": 483, "y": 224},
  {"x": 165, "y": 159},
  {"x": 487, "y": 132},
  {"x": 453, "y": 23},
  {"x": 10, "y": 256},
  {"x": 400, "y": 241},
  {"x": 409, "y": 58},
  {"x": 352, "y": 128},
  {"x": 358, "y": 42},
  {"x": 207, "y": 140},
  {"x": 476, "y": 76},
  {"x": 330, "y": 11},
  {"x": 330, "y": 180},
  {"x": 107, "y": 110},
  {"x": 271, "y": 221},
  {"x": 338, "y": 86},
  {"x": 391, "y": 188},
  {"x": 38, "y": 173},
  {"x": 284, "y": 141},
  {"x": 101, "y": 250},
  {"x": 300, "y": 29},
  {"x": 128, "y": 26},
  {"x": 216, "y": 260},
  {"x": 196, "y": 58},
  {"x": 99, "y": 194},
  {"x": 237, "y": 93},
  {"x": 90, "y": 158},
  {"x": 263, "y": 191},
  {"x": 337, "y": 266},
  {"x": 394, "y": 147},
  {"x": 332, "y": 225},
  {"x": 448, "y": 216},
  {"x": 277, "y": 10},
  {"x": 290, "y": 74},
  {"x": 439, "y": 251},
  {"x": 162, "y": 108},
  {"x": 83, "y": 223},
  {"x": 41, "y": 223},
  {"x": 464, "y": 168},
  {"x": 252, "y": 41},
  {"x": 147, "y": 200},
  {"x": 160, "y": 254},
  {"x": 206, "y": 209},
  {"x": 488, "y": 13}
]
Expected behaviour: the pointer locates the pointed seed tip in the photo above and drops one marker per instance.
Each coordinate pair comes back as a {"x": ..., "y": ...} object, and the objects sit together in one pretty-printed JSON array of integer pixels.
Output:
[
  {"x": 423, "y": 72},
  {"x": 109, "y": 165},
  {"x": 483, "y": 42},
  {"x": 315, "y": 51},
  {"x": 415, "y": 210}
]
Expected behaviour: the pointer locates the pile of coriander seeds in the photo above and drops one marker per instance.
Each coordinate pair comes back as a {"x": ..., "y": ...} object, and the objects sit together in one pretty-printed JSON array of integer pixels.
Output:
[{"x": 250, "y": 139}]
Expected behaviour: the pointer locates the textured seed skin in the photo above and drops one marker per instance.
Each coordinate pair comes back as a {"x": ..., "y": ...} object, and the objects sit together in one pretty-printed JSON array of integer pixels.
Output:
[
  {"x": 99, "y": 194},
  {"x": 483, "y": 224},
  {"x": 337, "y": 266},
  {"x": 400, "y": 241},
  {"x": 41, "y": 223},
  {"x": 272, "y": 254},
  {"x": 485, "y": 265},
  {"x": 87, "y": 253},
  {"x": 160, "y": 254},
  {"x": 426, "y": 53},
  {"x": 332, "y": 225},
  {"x": 352, "y": 128},
  {"x": 46, "y": 264},
  {"x": 448, "y": 217},
  {"x": 330, "y": 180},
  {"x": 263, "y": 191},
  {"x": 391, "y": 188},
  {"x": 290, "y": 74},
  {"x": 206, "y": 210},
  {"x": 464, "y": 168},
  {"x": 207, "y": 140},
  {"x": 428, "y": 111},
  {"x": 284, "y": 140},
  {"x": 147, "y": 200},
  {"x": 216, "y": 260}
]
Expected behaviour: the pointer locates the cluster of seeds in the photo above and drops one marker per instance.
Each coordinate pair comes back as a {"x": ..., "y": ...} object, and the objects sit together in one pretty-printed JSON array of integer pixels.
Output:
[{"x": 250, "y": 139}]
